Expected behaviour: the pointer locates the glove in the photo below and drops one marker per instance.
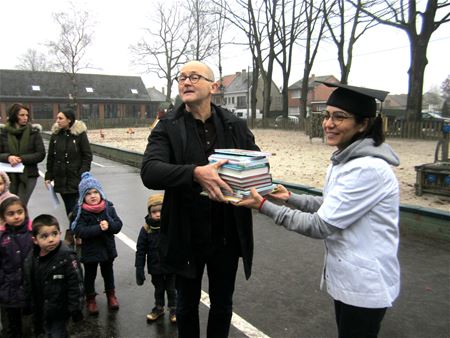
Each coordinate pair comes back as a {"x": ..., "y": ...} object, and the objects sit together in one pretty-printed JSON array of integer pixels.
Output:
[
  {"x": 77, "y": 316},
  {"x": 140, "y": 276}
]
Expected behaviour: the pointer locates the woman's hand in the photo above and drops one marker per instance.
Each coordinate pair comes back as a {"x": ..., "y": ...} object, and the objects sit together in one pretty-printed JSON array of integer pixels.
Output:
[
  {"x": 14, "y": 160},
  {"x": 47, "y": 183},
  {"x": 280, "y": 193},
  {"x": 253, "y": 201}
]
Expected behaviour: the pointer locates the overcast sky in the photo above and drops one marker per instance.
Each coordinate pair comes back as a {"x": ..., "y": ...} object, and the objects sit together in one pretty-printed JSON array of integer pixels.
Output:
[{"x": 381, "y": 58}]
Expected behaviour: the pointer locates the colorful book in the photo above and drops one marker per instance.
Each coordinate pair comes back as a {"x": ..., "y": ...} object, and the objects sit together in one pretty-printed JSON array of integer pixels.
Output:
[
  {"x": 243, "y": 152},
  {"x": 246, "y": 162},
  {"x": 244, "y": 180},
  {"x": 243, "y": 173}
]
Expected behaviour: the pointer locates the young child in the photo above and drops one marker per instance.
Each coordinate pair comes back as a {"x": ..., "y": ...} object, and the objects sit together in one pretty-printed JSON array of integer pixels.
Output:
[
  {"x": 147, "y": 248},
  {"x": 4, "y": 187},
  {"x": 54, "y": 279},
  {"x": 95, "y": 223},
  {"x": 15, "y": 244}
]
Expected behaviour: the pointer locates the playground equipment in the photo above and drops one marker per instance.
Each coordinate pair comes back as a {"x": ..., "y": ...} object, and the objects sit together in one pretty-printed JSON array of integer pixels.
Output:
[{"x": 434, "y": 177}]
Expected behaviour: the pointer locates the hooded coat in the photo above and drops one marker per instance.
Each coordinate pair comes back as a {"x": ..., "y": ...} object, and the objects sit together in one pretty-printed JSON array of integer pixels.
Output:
[
  {"x": 360, "y": 204},
  {"x": 69, "y": 155},
  {"x": 15, "y": 245}
]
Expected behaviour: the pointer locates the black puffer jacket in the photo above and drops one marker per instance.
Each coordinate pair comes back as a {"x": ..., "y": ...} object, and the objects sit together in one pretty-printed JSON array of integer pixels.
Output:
[
  {"x": 69, "y": 155},
  {"x": 15, "y": 244},
  {"x": 98, "y": 245},
  {"x": 54, "y": 283},
  {"x": 34, "y": 154},
  {"x": 147, "y": 247}
]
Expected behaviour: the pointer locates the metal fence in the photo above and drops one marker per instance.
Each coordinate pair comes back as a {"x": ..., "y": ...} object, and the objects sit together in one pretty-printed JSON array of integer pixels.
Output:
[{"x": 425, "y": 130}]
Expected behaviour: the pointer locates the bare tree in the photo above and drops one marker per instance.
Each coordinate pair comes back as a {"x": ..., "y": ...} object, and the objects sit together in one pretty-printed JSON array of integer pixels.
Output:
[
  {"x": 70, "y": 49},
  {"x": 166, "y": 46},
  {"x": 346, "y": 26},
  {"x": 204, "y": 43},
  {"x": 314, "y": 20},
  {"x": 288, "y": 28},
  {"x": 419, "y": 26},
  {"x": 34, "y": 60},
  {"x": 219, "y": 18},
  {"x": 259, "y": 26}
]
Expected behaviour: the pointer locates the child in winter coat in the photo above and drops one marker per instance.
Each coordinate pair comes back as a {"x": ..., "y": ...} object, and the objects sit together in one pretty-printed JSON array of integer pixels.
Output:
[
  {"x": 15, "y": 244},
  {"x": 4, "y": 193},
  {"x": 147, "y": 248},
  {"x": 54, "y": 281},
  {"x": 96, "y": 223}
]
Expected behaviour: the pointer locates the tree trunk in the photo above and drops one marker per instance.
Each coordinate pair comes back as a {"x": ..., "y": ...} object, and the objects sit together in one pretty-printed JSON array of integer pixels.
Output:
[{"x": 416, "y": 76}]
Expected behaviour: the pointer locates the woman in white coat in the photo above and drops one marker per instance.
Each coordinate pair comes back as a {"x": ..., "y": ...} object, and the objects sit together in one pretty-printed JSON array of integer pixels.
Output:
[{"x": 357, "y": 216}]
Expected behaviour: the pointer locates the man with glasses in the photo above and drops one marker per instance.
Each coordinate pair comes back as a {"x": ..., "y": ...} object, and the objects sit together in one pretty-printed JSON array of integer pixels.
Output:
[{"x": 197, "y": 231}]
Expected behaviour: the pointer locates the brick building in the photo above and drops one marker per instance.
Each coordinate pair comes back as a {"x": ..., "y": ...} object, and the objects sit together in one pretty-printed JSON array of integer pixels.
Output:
[{"x": 98, "y": 96}]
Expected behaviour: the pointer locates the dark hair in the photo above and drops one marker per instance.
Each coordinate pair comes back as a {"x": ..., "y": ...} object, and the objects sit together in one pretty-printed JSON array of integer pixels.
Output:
[
  {"x": 42, "y": 221},
  {"x": 69, "y": 113},
  {"x": 13, "y": 111},
  {"x": 374, "y": 129},
  {"x": 10, "y": 201}
]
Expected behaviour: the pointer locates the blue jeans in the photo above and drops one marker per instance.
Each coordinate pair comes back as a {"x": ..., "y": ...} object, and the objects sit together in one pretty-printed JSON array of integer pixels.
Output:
[{"x": 221, "y": 267}]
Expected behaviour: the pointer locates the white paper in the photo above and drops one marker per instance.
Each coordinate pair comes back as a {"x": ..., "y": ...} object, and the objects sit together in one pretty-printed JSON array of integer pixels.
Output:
[
  {"x": 53, "y": 196},
  {"x": 8, "y": 168}
]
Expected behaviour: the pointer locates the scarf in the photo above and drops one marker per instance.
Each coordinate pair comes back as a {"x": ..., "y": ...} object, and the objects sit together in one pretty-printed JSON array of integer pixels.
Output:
[
  {"x": 96, "y": 209},
  {"x": 18, "y": 139}
]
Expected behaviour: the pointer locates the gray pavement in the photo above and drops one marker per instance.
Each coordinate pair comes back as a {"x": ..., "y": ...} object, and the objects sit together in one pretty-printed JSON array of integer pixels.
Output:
[{"x": 282, "y": 298}]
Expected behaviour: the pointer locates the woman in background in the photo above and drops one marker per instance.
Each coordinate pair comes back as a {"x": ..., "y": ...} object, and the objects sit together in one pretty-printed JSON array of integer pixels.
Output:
[
  {"x": 21, "y": 143},
  {"x": 69, "y": 155}
]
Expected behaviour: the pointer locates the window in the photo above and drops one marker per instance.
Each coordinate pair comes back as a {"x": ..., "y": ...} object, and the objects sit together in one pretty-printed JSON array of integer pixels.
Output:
[
  {"x": 36, "y": 88},
  {"x": 89, "y": 90},
  {"x": 134, "y": 91}
]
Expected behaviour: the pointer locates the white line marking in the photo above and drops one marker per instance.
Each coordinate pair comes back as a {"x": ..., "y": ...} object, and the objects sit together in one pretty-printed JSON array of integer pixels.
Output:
[
  {"x": 237, "y": 321},
  {"x": 98, "y": 164}
]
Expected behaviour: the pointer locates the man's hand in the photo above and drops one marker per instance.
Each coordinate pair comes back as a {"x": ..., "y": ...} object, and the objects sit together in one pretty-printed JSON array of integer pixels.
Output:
[{"x": 210, "y": 180}]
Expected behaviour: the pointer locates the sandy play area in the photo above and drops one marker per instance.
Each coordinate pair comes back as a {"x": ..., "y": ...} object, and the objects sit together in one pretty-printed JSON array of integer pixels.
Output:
[{"x": 296, "y": 160}]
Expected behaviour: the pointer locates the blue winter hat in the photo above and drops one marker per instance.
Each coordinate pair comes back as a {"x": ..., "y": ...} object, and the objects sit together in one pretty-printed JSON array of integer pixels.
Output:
[{"x": 87, "y": 183}]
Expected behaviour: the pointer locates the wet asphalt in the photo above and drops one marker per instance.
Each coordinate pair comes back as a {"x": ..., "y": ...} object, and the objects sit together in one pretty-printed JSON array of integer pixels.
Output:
[{"x": 282, "y": 298}]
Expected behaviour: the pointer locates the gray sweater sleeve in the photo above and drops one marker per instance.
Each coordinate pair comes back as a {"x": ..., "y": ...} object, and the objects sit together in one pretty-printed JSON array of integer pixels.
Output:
[
  {"x": 306, "y": 203},
  {"x": 307, "y": 224}
]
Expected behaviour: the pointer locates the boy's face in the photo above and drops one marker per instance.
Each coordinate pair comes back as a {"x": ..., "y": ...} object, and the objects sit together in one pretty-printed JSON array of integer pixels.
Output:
[
  {"x": 92, "y": 197},
  {"x": 155, "y": 212},
  {"x": 47, "y": 239}
]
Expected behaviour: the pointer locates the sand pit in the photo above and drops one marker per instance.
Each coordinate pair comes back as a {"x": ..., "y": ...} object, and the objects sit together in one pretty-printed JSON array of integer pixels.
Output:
[{"x": 296, "y": 160}]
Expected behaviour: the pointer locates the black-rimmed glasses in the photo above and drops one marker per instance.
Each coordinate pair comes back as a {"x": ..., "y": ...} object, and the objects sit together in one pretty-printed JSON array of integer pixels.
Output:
[
  {"x": 193, "y": 78},
  {"x": 337, "y": 117}
]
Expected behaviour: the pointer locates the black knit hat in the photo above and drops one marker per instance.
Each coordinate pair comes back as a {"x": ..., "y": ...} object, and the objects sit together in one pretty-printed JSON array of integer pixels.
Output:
[{"x": 355, "y": 100}]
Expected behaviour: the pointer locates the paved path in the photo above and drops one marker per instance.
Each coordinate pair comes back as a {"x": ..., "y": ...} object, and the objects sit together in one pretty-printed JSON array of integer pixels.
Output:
[{"x": 282, "y": 298}]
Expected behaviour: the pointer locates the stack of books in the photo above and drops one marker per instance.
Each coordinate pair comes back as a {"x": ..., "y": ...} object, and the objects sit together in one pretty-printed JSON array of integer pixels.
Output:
[{"x": 244, "y": 170}]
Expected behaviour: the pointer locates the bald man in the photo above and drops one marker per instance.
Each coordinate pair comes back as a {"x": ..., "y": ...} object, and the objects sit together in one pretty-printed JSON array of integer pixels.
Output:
[{"x": 198, "y": 230}]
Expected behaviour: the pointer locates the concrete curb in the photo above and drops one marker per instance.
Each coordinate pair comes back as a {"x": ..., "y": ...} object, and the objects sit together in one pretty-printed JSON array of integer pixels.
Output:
[{"x": 417, "y": 220}]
